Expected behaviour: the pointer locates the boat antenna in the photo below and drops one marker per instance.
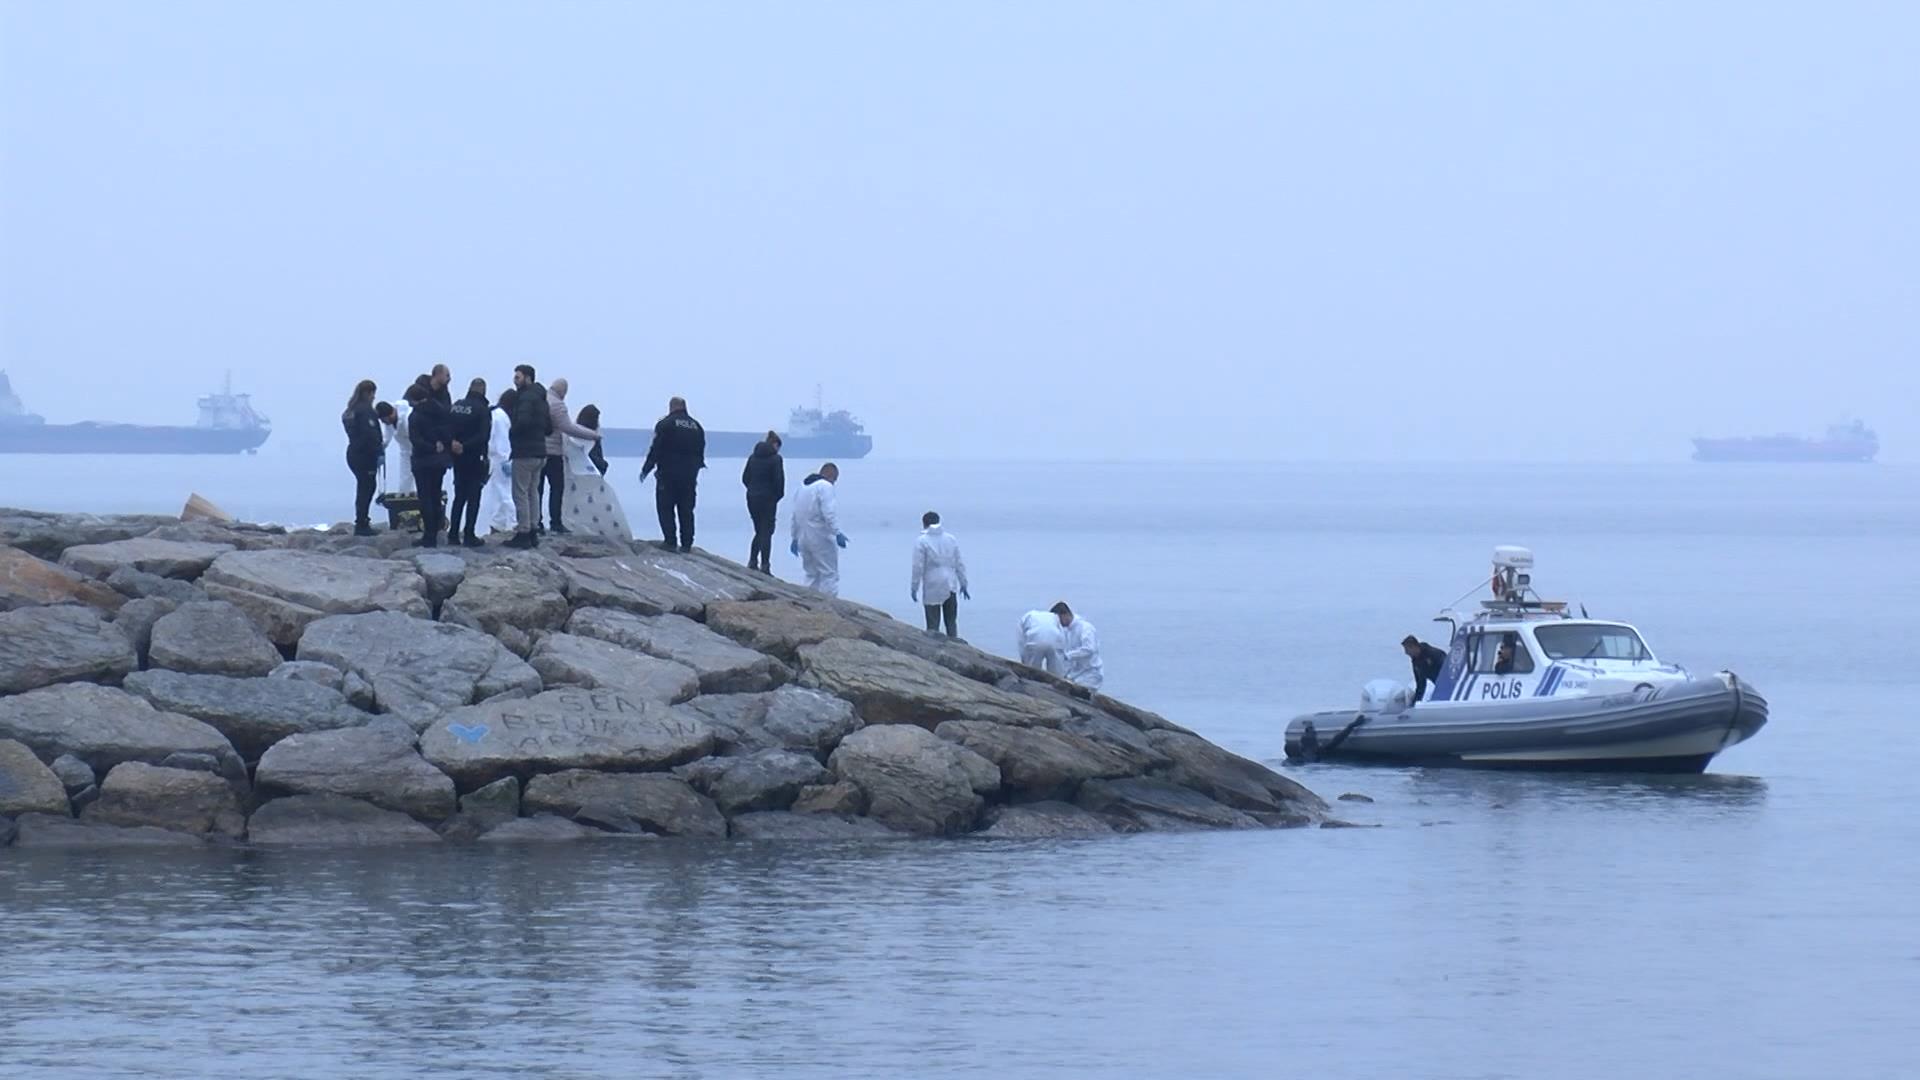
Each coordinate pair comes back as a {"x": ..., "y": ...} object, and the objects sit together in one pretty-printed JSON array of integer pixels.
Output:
[{"x": 819, "y": 400}]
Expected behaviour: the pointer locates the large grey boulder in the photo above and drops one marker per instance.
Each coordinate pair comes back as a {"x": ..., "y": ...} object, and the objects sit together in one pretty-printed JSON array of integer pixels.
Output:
[
  {"x": 914, "y": 781},
  {"x": 651, "y": 801},
  {"x": 889, "y": 687},
  {"x": 1037, "y": 763},
  {"x": 182, "y": 800},
  {"x": 59, "y": 831},
  {"x": 1231, "y": 779},
  {"x": 540, "y": 829},
  {"x": 723, "y": 667},
  {"x": 566, "y": 660},
  {"x": 510, "y": 599},
  {"x": 211, "y": 638},
  {"x": 778, "y": 627},
  {"x": 104, "y": 726},
  {"x": 286, "y": 591},
  {"x": 137, "y": 618},
  {"x": 956, "y": 656},
  {"x": 839, "y": 797},
  {"x": 370, "y": 763},
  {"x": 140, "y": 585},
  {"x": 493, "y": 804},
  {"x": 1043, "y": 821},
  {"x": 784, "y": 825},
  {"x": 419, "y": 670},
  {"x": 562, "y": 729},
  {"x": 792, "y": 718},
  {"x": 1139, "y": 803},
  {"x": 27, "y": 785},
  {"x": 29, "y": 581},
  {"x": 47, "y": 535},
  {"x": 75, "y": 775},
  {"x": 322, "y": 820},
  {"x": 651, "y": 582},
  {"x": 46, "y": 645},
  {"x": 442, "y": 571},
  {"x": 764, "y": 780},
  {"x": 310, "y": 671},
  {"x": 165, "y": 558},
  {"x": 252, "y": 713}
]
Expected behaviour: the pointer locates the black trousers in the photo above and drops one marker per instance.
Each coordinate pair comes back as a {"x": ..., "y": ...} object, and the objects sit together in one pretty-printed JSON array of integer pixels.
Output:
[
  {"x": 673, "y": 497},
  {"x": 765, "y": 512},
  {"x": 468, "y": 478},
  {"x": 366, "y": 477},
  {"x": 555, "y": 475},
  {"x": 949, "y": 610},
  {"x": 431, "y": 481}
]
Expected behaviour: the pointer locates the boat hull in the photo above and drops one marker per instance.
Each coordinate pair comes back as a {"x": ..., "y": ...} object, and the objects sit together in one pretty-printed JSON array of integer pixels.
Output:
[
  {"x": 634, "y": 443},
  {"x": 1676, "y": 728},
  {"x": 1784, "y": 450},
  {"x": 91, "y": 438}
]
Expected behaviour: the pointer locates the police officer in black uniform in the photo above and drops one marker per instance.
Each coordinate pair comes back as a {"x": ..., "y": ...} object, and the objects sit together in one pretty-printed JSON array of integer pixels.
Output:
[
  {"x": 473, "y": 426},
  {"x": 1427, "y": 664},
  {"x": 679, "y": 452}
]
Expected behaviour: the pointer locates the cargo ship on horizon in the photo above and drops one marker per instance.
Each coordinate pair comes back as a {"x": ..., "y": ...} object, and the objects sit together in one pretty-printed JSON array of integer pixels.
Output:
[
  {"x": 228, "y": 425},
  {"x": 811, "y": 432},
  {"x": 1843, "y": 443}
]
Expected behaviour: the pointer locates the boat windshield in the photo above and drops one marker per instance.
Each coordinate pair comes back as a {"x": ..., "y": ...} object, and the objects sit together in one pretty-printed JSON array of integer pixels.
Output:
[{"x": 1588, "y": 641}]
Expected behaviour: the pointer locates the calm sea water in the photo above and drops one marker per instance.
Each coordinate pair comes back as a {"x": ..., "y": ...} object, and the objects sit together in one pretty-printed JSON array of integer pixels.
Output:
[{"x": 1760, "y": 921}]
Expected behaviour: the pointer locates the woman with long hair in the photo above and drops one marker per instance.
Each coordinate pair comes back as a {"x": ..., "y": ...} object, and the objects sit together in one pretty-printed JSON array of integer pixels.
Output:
[{"x": 364, "y": 446}]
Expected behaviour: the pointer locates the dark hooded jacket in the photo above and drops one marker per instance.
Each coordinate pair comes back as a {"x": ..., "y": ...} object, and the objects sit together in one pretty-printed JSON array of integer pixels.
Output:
[
  {"x": 679, "y": 448},
  {"x": 530, "y": 422},
  {"x": 430, "y": 425},
  {"x": 765, "y": 474},
  {"x": 363, "y": 435},
  {"x": 472, "y": 421}
]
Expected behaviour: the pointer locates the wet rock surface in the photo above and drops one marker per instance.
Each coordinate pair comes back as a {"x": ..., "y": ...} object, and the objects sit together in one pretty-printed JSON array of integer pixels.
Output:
[{"x": 581, "y": 691}]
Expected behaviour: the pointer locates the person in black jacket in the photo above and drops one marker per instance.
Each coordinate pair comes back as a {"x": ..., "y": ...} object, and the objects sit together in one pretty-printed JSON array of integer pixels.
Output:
[
  {"x": 364, "y": 446},
  {"x": 440, "y": 381},
  {"x": 1427, "y": 663},
  {"x": 429, "y": 427},
  {"x": 473, "y": 426},
  {"x": 679, "y": 451},
  {"x": 528, "y": 424},
  {"x": 590, "y": 418},
  {"x": 765, "y": 477}
]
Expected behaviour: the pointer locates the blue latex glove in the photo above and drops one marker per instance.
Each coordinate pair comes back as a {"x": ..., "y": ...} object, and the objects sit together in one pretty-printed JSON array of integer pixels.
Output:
[
  {"x": 794, "y": 548},
  {"x": 965, "y": 595},
  {"x": 840, "y": 539},
  {"x": 915, "y": 594}
]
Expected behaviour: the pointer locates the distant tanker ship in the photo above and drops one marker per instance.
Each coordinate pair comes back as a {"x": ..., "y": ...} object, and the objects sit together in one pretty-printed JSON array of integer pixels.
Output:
[
  {"x": 228, "y": 425},
  {"x": 812, "y": 433},
  {"x": 1843, "y": 443}
]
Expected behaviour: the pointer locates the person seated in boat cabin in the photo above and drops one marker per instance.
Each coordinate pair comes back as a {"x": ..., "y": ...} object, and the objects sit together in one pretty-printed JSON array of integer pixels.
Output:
[{"x": 1512, "y": 659}]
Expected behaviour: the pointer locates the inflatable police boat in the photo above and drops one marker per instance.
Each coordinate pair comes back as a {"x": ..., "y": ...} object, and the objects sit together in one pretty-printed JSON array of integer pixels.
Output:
[{"x": 1527, "y": 685}]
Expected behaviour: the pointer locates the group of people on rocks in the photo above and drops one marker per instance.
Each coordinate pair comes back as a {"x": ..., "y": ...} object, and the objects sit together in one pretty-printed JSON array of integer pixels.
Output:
[
  {"x": 510, "y": 455},
  {"x": 507, "y": 456}
]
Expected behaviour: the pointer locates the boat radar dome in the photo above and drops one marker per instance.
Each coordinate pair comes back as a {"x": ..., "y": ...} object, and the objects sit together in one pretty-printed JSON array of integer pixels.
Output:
[{"x": 1512, "y": 572}]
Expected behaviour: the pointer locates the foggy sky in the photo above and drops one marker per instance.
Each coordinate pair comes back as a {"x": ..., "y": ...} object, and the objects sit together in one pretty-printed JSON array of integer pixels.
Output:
[{"x": 1360, "y": 231}]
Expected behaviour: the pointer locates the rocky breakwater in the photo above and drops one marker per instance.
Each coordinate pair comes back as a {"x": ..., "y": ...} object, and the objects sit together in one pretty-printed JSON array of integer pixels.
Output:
[{"x": 184, "y": 684}]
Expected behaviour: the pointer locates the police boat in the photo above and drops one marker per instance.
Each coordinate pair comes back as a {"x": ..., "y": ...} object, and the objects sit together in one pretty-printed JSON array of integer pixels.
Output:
[{"x": 1528, "y": 685}]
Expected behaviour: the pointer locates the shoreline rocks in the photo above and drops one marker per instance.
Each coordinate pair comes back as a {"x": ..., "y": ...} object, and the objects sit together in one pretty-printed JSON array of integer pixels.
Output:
[{"x": 579, "y": 691}]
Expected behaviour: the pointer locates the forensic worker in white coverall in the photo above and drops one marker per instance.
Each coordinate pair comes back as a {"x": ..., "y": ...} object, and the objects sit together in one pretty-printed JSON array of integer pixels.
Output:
[
  {"x": 814, "y": 531},
  {"x": 400, "y": 452},
  {"x": 938, "y": 574},
  {"x": 1081, "y": 649},
  {"x": 496, "y": 499},
  {"x": 1043, "y": 642}
]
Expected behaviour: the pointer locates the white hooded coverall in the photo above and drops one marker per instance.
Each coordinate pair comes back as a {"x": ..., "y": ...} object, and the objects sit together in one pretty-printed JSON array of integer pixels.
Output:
[
  {"x": 496, "y": 499},
  {"x": 400, "y": 454},
  {"x": 938, "y": 570},
  {"x": 813, "y": 526},
  {"x": 1083, "y": 655},
  {"x": 1043, "y": 642}
]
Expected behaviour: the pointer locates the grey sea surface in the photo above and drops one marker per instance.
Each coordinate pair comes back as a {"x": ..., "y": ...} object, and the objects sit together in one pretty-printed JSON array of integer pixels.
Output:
[{"x": 1762, "y": 920}]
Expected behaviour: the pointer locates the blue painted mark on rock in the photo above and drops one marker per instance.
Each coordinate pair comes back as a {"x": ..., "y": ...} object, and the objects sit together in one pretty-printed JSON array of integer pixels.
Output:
[{"x": 466, "y": 733}]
